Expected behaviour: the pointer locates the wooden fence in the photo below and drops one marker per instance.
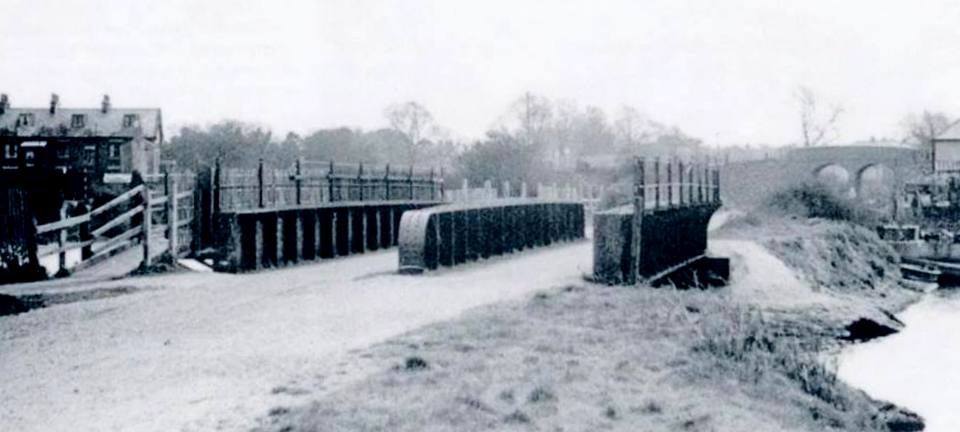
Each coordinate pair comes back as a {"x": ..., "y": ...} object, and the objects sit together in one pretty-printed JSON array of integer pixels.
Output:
[
  {"x": 162, "y": 205},
  {"x": 310, "y": 183}
]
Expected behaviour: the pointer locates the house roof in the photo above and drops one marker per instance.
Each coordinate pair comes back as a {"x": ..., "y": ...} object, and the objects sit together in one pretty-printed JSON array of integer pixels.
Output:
[
  {"x": 96, "y": 123},
  {"x": 951, "y": 133}
]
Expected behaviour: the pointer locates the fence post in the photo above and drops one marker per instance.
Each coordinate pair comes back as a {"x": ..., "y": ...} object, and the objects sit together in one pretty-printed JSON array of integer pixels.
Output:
[
  {"x": 465, "y": 197},
  {"x": 216, "y": 189},
  {"x": 716, "y": 183},
  {"x": 523, "y": 189},
  {"x": 298, "y": 183},
  {"x": 669, "y": 182},
  {"x": 86, "y": 251},
  {"x": 410, "y": 181},
  {"x": 146, "y": 225},
  {"x": 442, "y": 189},
  {"x": 62, "y": 243},
  {"x": 173, "y": 218},
  {"x": 360, "y": 180},
  {"x": 656, "y": 181},
  {"x": 690, "y": 183},
  {"x": 386, "y": 183},
  {"x": 680, "y": 179},
  {"x": 433, "y": 192},
  {"x": 260, "y": 182},
  {"x": 330, "y": 180},
  {"x": 705, "y": 181},
  {"x": 506, "y": 188},
  {"x": 640, "y": 184}
]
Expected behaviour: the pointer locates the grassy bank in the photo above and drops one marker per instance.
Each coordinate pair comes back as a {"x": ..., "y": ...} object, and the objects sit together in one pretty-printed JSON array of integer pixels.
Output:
[{"x": 590, "y": 357}]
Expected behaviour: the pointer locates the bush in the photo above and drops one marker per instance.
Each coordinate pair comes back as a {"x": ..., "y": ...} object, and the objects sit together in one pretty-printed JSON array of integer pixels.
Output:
[{"x": 816, "y": 200}]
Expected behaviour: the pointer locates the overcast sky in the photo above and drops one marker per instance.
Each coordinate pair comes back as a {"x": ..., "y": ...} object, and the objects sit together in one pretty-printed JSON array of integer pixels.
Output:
[{"x": 723, "y": 71}]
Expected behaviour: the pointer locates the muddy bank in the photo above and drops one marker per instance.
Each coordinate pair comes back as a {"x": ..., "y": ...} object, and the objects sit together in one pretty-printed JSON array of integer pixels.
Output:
[{"x": 589, "y": 357}]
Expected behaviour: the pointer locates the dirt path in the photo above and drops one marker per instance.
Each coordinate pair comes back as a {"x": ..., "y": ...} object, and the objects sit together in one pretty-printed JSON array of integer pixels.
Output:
[{"x": 207, "y": 351}]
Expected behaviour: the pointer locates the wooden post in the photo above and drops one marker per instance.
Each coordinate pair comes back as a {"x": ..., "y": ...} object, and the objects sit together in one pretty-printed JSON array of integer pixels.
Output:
[
  {"x": 360, "y": 180},
  {"x": 330, "y": 197},
  {"x": 216, "y": 190},
  {"x": 465, "y": 197},
  {"x": 62, "y": 243},
  {"x": 703, "y": 183},
  {"x": 656, "y": 181},
  {"x": 706, "y": 181},
  {"x": 506, "y": 189},
  {"x": 386, "y": 183},
  {"x": 260, "y": 182},
  {"x": 147, "y": 226},
  {"x": 410, "y": 182},
  {"x": 669, "y": 182},
  {"x": 298, "y": 183},
  {"x": 173, "y": 218},
  {"x": 680, "y": 179},
  {"x": 523, "y": 190},
  {"x": 716, "y": 184},
  {"x": 442, "y": 191},
  {"x": 433, "y": 195},
  {"x": 690, "y": 183}
]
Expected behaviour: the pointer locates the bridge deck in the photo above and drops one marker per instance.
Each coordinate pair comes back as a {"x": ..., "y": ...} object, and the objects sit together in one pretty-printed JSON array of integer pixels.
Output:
[{"x": 202, "y": 351}]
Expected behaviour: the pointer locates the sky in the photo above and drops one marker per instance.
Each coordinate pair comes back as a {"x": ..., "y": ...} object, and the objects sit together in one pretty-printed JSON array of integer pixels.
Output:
[{"x": 725, "y": 72}]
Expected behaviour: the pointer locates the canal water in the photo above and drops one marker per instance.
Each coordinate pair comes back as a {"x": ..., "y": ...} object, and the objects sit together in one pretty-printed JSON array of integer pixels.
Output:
[{"x": 918, "y": 368}]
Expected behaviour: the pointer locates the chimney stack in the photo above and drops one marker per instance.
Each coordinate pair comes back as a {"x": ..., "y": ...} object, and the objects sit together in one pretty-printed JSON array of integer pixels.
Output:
[
  {"x": 54, "y": 101},
  {"x": 105, "y": 105},
  {"x": 4, "y": 103}
]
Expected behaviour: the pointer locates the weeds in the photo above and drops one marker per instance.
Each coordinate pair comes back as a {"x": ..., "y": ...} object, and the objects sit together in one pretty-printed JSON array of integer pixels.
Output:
[{"x": 752, "y": 347}]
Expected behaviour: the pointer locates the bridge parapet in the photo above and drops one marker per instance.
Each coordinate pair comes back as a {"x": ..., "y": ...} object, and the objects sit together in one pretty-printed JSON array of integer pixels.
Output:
[
  {"x": 665, "y": 229},
  {"x": 454, "y": 234},
  {"x": 254, "y": 239}
]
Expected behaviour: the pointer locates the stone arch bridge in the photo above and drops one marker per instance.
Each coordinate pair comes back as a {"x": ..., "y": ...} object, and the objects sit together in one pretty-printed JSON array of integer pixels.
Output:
[{"x": 748, "y": 183}]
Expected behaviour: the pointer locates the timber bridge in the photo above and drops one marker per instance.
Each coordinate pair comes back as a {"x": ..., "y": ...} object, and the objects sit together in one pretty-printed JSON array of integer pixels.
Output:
[{"x": 240, "y": 220}]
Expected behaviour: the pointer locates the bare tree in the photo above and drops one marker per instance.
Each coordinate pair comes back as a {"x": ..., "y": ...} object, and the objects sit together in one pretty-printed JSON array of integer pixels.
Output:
[
  {"x": 923, "y": 128},
  {"x": 534, "y": 114},
  {"x": 411, "y": 120},
  {"x": 633, "y": 128},
  {"x": 815, "y": 126}
]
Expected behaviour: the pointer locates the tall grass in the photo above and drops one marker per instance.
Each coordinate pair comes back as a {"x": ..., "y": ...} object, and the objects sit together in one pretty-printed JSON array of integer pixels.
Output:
[
  {"x": 746, "y": 344},
  {"x": 816, "y": 200}
]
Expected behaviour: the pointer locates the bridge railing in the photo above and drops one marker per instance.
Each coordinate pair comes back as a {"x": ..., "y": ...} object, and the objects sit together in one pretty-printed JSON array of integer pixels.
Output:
[
  {"x": 672, "y": 182},
  {"x": 311, "y": 183}
]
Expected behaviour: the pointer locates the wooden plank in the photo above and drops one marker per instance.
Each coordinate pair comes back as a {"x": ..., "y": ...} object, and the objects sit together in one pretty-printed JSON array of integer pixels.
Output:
[
  {"x": 118, "y": 200},
  {"x": 65, "y": 223},
  {"x": 184, "y": 222},
  {"x": 184, "y": 194},
  {"x": 66, "y": 247},
  {"x": 158, "y": 201},
  {"x": 116, "y": 242},
  {"x": 117, "y": 220}
]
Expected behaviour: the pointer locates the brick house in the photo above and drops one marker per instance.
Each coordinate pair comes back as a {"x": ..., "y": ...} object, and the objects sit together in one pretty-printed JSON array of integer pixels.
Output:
[{"x": 100, "y": 144}]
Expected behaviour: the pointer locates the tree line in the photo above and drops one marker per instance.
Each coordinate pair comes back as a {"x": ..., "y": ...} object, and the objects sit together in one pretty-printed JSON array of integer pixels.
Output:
[{"x": 535, "y": 140}]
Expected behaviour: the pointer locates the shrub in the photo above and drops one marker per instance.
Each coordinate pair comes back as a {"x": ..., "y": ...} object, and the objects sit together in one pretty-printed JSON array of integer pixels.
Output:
[{"x": 816, "y": 200}]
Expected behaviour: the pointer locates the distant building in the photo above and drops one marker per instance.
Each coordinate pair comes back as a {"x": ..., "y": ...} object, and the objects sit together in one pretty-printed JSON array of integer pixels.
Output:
[
  {"x": 96, "y": 143},
  {"x": 946, "y": 150}
]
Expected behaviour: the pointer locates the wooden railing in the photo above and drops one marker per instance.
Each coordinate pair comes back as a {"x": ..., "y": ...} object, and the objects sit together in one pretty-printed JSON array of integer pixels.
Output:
[
  {"x": 119, "y": 223},
  {"x": 312, "y": 183},
  {"x": 674, "y": 183}
]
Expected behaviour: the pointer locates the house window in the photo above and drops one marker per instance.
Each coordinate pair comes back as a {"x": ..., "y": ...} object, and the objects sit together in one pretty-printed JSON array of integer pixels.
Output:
[
  {"x": 26, "y": 119},
  {"x": 89, "y": 155},
  {"x": 77, "y": 120},
  {"x": 130, "y": 120},
  {"x": 10, "y": 151},
  {"x": 115, "y": 151},
  {"x": 62, "y": 152},
  {"x": 29, "y": 157}
]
